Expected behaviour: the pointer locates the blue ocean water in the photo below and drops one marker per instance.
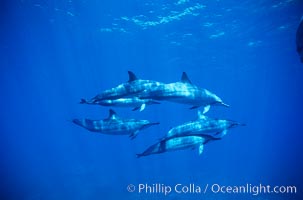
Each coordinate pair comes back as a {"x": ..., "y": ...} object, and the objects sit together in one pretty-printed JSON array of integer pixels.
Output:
[{"x": 53, "y": 53}]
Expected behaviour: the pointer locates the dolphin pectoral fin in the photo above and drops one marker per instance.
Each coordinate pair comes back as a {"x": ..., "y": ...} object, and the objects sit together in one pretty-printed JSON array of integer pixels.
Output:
[
  {"x": 201, "y": 147},
  {"x": 201, "y": 115},
  {"x": 222, "y": 133},
  {"x": 142, "y": 107},
  {"x": 133, "y": 135},
  {"x": 206, "y": 109}
]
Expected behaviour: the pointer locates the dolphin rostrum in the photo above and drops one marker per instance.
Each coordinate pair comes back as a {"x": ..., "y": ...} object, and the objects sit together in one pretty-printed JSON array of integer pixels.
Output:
[
  {"x": 184, "y": 92},
  {"x": 203, "y": 126},
  {"x": 178, "y": 143},
  {"x": 134, "y": 102},
  {"x": 114, "y": 125}
]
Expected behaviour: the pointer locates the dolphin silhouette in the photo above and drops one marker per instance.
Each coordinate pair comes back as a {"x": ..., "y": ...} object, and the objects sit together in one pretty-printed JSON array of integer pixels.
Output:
[
  {"x": 126, "y": 90},
  {"x": 203, "y": 126},
  {"x": 178, "y": 143},
  {"x": 114, "y": 125},
  {"x": 184, "y": 92}
]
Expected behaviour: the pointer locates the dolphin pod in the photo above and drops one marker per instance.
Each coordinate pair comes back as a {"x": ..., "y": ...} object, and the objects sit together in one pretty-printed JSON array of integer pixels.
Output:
[
  {"x": 192, "y": 134},
  {"x": 126, "y": 94},
  {"x": 139, "y": 93}
]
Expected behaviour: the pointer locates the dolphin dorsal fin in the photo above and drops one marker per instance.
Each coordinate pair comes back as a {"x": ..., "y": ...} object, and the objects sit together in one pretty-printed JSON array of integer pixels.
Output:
[
  {"x": 131, "y": 76},
  {"x": 112, "y": 114},
  {"x": 185, "y": 79}
]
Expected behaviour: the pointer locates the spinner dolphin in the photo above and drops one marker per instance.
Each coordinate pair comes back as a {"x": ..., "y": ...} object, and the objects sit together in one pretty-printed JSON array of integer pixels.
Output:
[
  {"x": 184, "y": 92},
  {"x": 203, "y": 126},
  {"x": 135, "y": 102},
  {"x": 126, "y": 90},
  {"x": 178, "y": 143},
  {"x": 114, "y": 125}
]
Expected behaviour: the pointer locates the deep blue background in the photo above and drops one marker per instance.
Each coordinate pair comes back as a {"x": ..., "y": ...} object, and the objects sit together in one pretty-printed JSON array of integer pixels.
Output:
[{"x": 55, "y": 52}]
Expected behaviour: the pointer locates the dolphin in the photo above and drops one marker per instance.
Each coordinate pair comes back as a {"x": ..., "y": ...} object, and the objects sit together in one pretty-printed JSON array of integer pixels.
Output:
[
  {"x": 184, "y": 92},
  {"x": 203, "y": 126},
  {"x": 129, "y": 89},
  {"x": 299, "y": 40},
  {"x": 178, "y": 143},
  {"x": 114, "y": 125},
  {"x": 135, "y": 102}
]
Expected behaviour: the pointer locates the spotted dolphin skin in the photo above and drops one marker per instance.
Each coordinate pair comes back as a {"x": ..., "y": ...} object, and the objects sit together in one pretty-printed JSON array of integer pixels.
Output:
[
  {"x": 184, "y": 92},
  {"x": 203, "y": 126},
  {"x": 178, "y": 143},
  {"x": 114, "y": 125},
  {"x": 135, "y": 102},
  {"x": 126, "y": 90}
]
